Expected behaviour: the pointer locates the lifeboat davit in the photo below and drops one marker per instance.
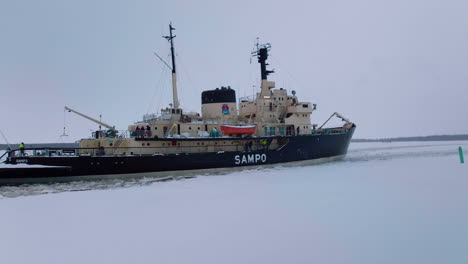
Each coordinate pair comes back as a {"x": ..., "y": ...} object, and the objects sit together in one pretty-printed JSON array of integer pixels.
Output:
[{"x": 238, "y": 130}]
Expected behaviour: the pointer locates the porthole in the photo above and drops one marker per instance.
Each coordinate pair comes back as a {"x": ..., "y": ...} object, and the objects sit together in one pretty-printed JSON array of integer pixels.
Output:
[
  {"x": 147, "y": 144},
  {"x": 142, "y": 144}
]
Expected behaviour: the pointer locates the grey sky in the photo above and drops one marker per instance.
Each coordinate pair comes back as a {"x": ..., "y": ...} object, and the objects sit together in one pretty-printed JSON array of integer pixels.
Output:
[{"x": 396, "y": 68}]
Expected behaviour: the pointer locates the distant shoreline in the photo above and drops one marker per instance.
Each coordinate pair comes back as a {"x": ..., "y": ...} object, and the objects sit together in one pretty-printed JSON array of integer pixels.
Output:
[
  {"x": 357, "y": 140},
  {"x": 408, "y": 139}
]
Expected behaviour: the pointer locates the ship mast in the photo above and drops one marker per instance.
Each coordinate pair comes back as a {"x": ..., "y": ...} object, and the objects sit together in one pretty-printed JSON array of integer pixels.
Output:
[
  {"x": 262, "y": 56},
  {"x": 170, "y": 38}
]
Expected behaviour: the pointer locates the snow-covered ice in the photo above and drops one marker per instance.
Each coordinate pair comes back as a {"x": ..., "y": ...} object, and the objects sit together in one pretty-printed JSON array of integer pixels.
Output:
[{"x": 385, "y": 203}]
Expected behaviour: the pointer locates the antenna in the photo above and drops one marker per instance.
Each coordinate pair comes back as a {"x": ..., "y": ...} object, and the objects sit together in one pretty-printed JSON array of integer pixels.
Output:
[{"x": 254, "y": 51}]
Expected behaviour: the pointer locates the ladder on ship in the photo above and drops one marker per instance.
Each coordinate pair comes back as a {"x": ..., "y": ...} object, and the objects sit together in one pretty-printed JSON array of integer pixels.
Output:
[{"x": 119, "y": 142}]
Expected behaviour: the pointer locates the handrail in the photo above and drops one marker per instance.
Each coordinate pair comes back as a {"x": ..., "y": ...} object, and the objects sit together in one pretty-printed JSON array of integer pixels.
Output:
[{"x": 95, "y": 151}]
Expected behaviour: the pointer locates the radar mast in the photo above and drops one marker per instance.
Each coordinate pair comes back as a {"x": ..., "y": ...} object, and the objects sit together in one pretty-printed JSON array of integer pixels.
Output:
[{"x": 170, "y": 38}]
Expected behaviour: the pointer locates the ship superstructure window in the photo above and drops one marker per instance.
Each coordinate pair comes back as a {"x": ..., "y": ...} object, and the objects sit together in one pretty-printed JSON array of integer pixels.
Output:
[
  {"x": 272, "y": 131},
  {"x": 281, "y": 131}
]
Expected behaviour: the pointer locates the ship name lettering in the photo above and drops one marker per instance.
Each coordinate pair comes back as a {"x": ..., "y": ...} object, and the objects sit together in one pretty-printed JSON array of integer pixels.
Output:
[
  {"x": 21, "y": 161},
  {"x": 250, "y": 158}
]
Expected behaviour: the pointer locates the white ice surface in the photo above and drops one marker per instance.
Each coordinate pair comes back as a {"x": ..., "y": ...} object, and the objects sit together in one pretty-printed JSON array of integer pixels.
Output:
[{"x": 385, "y": 203}]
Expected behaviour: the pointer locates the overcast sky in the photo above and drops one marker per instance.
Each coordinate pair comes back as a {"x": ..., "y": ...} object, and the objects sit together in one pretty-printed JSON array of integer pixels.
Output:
[{"x": 395, "y": 68}]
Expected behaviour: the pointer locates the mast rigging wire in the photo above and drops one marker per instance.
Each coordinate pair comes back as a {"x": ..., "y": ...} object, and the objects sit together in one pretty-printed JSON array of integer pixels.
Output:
[{"x": 5, "y": 139}]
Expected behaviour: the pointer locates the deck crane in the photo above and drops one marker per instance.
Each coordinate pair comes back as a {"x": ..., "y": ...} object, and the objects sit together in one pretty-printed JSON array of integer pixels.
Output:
[{"x": 111, "y": 132}]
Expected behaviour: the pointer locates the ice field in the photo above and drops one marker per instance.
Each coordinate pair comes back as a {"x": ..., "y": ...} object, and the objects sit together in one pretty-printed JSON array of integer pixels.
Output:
[{"x": 384, "y": 203}]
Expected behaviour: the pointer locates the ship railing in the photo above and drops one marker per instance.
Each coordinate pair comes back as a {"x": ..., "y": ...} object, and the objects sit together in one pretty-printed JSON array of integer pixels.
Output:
[
  {"x": 110, "y": 134},
  {"x": 249, "y": 98},
  {"x": 137, "y": 151},
  {"x": 123, "y": 134},
  {"x": 330, "y": 131}
]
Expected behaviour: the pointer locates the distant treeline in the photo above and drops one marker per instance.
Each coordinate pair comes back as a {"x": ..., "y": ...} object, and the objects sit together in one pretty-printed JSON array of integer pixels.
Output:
[
  {"x": 41, "y": 145},
  {"x": 426, "y": 138}
]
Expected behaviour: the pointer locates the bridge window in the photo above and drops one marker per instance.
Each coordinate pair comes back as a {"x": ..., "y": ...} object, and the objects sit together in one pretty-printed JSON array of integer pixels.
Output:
[
  {"x": 281, "y": 131},
  {"x": 272, "y": 131}
]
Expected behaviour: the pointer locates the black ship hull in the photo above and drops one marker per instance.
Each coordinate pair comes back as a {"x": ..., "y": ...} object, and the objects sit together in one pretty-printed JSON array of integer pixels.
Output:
[{"x": 299, "y": 148}]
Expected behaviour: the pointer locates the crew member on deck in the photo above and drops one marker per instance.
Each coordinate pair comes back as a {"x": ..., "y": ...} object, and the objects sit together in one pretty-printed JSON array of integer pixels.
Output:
[
  {"x": 148, "y": 131},
  {"x": 263, "y": 142},
  {"x": 21, "y": 146},
  {"x": 137, "y": 129}
]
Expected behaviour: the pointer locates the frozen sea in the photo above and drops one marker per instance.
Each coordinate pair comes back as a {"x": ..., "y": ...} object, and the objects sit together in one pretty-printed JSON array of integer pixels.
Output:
[{"x": 384, "y": 203}]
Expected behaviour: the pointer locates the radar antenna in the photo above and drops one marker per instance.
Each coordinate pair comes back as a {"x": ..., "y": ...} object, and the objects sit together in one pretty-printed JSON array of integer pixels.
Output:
[{"x": 262, "y": 54}]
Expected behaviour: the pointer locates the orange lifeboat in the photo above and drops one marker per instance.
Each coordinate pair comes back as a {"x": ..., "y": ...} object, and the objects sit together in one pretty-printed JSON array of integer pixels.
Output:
[{"x": 238, "y": 130}]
